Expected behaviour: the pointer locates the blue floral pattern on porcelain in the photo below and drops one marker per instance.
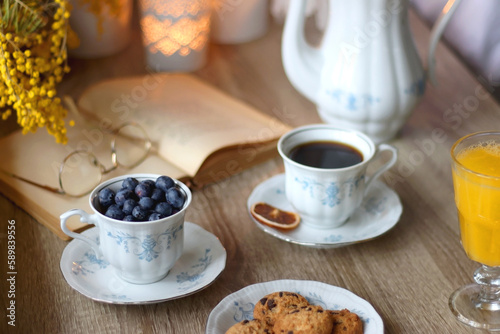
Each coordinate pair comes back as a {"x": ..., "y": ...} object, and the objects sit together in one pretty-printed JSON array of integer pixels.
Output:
[
  {"x": 188, "y": 279},
  {"x": 333, "y": 193},
  {"x": 243, "y": 311},
  {"x": 117, "y": 297},
  {"x": 355, "y": 102},
  {"x": 148, "y": 248},
  {"x": 375, "y": 205},
  {"x": 333, "y": 238},
  {"x": 351, "y": 101},
  {"x": 314, "y": 299},
  {"x": 89, "y": 264}
]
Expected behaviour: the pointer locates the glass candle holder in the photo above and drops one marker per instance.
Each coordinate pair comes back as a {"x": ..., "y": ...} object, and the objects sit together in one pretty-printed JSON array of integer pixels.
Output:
[{"x": 175, "y": 33}]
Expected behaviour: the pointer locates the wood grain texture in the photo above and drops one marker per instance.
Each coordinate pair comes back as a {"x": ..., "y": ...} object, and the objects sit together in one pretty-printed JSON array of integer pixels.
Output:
[{"x": 406, "y": 274}]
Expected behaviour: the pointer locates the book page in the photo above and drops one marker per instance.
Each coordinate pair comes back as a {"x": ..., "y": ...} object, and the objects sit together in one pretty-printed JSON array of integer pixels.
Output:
[{"x": 186, "y": 118}]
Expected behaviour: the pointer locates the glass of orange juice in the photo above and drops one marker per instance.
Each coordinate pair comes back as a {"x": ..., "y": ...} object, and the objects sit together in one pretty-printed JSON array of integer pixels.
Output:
[{"x": 476, "y": 180}]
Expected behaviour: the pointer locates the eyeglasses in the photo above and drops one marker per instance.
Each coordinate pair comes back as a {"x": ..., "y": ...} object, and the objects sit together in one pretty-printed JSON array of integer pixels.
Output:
[{"x": 81, "y": 171}]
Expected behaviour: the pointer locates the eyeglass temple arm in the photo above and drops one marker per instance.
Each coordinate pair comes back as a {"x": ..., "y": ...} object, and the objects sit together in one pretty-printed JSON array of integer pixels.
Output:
[{"x": 48, "y": 188}]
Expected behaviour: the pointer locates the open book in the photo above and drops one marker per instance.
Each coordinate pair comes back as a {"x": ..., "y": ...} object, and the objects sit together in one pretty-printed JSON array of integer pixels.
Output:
[{"x": 200, "y": 135}]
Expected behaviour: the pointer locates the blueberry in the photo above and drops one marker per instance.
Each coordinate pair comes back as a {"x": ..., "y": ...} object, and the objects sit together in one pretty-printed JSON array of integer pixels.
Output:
[
  {"x": 164, "y": 209},
  {"x": 129, "y": 218},
  {"x": 128, "y": 206},
  {"x": 175, "y": 197},
  {"x": 143, "y": 189},
  {"x": 158, "y": 195},
  {"x": 150, "y": 182},
  {"x": 139, "y": 213},
  {"x": 123, "y": 195},
  {"x": 106, "y": 197},
  {"x": 114, "y": 212},
  {"x": 130, "y": 183},
  {"x": 154, "y": 216},
  {"x": 164, "y": 183},
  {"x": 147, "y": 203}
]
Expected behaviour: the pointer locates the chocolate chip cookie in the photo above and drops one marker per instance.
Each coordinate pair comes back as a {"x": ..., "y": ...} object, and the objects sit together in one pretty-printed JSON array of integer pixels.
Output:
[
  {"x": 345, "y": 321},
  {"x": 305, "y": 320},
  {"x": 250, "y": 327},
  {"x": 275, "y": 304}
]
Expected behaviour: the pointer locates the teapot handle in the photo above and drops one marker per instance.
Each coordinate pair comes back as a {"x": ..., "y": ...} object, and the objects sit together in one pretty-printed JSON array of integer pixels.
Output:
[{"x": 436, "y": 32}]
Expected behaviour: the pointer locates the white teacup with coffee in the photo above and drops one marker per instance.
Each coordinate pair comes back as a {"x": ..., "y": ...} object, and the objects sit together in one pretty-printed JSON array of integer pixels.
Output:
[
  {"x": 141, "y": 252},
  {"x": 325, "y": 171}
]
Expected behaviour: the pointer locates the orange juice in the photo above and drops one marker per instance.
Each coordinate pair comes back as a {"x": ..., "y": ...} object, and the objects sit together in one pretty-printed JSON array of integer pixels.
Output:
[{"x": 477, "y": 196}]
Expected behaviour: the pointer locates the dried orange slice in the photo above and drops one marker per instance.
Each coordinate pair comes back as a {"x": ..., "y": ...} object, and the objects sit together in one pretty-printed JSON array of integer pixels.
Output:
[{"x": 274, "y": 217}]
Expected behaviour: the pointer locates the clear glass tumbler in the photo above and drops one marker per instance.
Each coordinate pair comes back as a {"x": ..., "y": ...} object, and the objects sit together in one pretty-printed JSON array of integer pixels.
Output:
[{"x": 476, "y": 180}]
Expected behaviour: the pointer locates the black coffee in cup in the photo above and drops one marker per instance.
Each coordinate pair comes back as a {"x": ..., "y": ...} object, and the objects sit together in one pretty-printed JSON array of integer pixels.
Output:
[{"x": 326, "y": 154}]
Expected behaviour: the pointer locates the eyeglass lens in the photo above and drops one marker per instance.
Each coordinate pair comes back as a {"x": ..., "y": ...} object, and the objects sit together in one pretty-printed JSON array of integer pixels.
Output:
[
  {"x": 80, "y": 173},
  {"x": 131, "y": 145}
]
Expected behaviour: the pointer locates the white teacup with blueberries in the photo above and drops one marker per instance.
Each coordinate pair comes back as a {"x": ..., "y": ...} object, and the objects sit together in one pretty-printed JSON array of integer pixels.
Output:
[{"x": 141, "y": 224}]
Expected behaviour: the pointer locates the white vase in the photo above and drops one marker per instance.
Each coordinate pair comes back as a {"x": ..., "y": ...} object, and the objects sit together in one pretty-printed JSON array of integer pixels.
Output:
[
  {"x": 100, "y": 38},
  {"x": 239, "y": 21}
]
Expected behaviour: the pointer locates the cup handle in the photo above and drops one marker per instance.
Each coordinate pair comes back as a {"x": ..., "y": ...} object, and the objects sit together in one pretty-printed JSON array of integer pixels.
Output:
[
  {"x": 84, "y": 218},
  {"x": 384, "y": 167}
]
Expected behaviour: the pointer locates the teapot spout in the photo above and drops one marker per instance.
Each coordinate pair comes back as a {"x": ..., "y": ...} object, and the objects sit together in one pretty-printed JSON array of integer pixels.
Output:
[{"x": 301, "y": 61}]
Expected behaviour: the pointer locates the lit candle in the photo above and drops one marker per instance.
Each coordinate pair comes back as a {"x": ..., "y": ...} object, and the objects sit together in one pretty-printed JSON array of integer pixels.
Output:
[{"x": 175, "y": 33}]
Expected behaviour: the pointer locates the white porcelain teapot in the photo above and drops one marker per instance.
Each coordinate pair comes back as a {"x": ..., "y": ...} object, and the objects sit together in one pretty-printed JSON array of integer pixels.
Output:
[{"x": 366, "y": 74}]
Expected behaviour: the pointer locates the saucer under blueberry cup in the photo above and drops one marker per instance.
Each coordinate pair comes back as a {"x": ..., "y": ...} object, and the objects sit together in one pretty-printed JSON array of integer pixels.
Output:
[
  {"x": 203, "y": 260},
  {"x": 144, "y": 260}
]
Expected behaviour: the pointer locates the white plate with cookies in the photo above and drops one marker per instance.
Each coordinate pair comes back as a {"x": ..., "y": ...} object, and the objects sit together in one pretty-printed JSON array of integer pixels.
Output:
[{"x": 240, "y": 305}]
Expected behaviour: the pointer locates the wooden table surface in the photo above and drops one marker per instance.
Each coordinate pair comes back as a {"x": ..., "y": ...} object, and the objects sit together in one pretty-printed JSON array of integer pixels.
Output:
[{"x": 407, "y": 274}]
